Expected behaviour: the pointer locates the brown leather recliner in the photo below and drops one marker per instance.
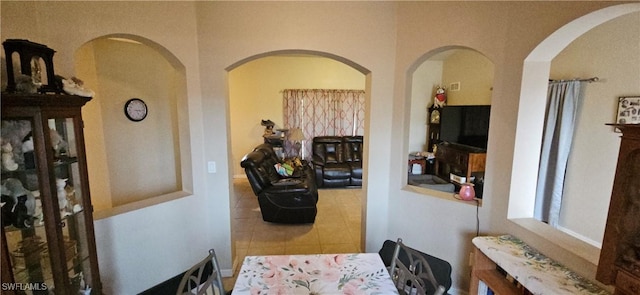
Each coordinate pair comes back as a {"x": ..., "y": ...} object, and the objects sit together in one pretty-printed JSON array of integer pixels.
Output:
[
  {"x": 281, "y": 199},
  {"x": 337, "y": 160}
]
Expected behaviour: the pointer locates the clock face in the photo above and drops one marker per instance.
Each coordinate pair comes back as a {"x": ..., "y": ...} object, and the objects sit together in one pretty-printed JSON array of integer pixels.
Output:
[
  {"x": 435, "y": 116},
  {"x": 135, "y": 109}
]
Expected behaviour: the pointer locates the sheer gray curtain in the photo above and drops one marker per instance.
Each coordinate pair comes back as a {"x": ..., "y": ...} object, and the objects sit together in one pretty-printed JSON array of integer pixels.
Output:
[{"x": 563, "y": 103}]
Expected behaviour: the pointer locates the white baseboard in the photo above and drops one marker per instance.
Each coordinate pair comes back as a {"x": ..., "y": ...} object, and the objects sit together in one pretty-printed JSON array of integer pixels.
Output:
[
  {"x": 454, "y": 291},
  {"x": 226, "y": 273}
]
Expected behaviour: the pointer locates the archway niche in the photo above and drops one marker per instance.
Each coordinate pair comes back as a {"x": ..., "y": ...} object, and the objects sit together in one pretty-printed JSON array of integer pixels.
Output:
[
  {"x": 462, "y": 123},
  {"x": 155, "y": 152}
]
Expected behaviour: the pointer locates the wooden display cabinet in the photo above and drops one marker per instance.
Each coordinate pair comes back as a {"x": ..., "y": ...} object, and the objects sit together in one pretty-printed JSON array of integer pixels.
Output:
[
  {"x": 620, "y": 255},
  {"x": 48, "y": 243},
  {"x": 459, "y": 159}
]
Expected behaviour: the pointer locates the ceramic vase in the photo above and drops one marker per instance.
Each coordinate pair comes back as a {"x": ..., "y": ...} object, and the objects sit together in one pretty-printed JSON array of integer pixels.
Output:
[{"x": 467, "y": 192}]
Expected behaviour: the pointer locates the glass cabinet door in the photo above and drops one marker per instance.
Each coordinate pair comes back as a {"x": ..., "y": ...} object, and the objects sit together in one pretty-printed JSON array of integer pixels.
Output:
[
  {"x": 44, "y": 219},
  {"x": 22, "y": 212},
  {"x": 70, "y": 197}
]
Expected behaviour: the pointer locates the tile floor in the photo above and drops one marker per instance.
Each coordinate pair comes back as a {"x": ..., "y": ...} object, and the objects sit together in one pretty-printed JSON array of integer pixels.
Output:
[{"x": 336, "y": 230}]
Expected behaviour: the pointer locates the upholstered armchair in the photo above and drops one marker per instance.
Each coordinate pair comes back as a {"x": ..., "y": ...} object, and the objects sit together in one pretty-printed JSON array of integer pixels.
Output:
[{"x": 281, "y": 199}]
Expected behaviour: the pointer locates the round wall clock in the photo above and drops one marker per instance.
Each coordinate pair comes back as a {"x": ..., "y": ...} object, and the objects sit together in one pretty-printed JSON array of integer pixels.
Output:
[{"x": 135, "y": 109}]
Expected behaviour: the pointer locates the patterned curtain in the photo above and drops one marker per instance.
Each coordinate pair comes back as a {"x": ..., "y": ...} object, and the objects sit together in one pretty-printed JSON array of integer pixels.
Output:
[{"x": 321, "y": 112}]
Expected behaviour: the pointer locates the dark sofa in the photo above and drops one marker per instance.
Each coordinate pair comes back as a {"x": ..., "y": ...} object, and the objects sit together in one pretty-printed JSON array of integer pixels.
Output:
[
  {"x": 337, "y": 160},
  {"x": 282, "y": 199}
]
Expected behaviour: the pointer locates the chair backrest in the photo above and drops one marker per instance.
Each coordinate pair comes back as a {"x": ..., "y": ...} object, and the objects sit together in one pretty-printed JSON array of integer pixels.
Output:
[
  {"x": 328, "y": 149},
  {"x": 413, "y": 275},
  {"x": 259, "y": 170},
  {"x": 202, "y": 278},
  {"x": 352, "y": 148},
  {"x": 268, "y": 151}
]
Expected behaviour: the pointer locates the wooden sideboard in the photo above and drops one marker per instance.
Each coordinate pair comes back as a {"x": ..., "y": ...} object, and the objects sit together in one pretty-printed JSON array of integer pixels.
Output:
[
  {"x": 619, "y": 263},
  {"x": 459, "y": 159},
  {"x": 508, "y": 266}
]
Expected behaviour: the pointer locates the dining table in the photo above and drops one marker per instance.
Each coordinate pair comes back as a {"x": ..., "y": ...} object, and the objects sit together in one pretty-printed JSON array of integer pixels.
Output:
[{"x": 352, "y": 273}]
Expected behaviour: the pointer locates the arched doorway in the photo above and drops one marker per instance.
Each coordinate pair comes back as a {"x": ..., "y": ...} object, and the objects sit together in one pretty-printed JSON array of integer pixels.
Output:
[{"x": 255, "y": 94}]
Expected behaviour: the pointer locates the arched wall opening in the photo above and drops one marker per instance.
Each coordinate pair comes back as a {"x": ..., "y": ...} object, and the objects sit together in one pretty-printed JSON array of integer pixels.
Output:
[
  {"x": 472, "y": 73},
  {"x": 255, "y": 87},
  {"x": 158, "y": 166},
  {"x": 536, "y": 73}
]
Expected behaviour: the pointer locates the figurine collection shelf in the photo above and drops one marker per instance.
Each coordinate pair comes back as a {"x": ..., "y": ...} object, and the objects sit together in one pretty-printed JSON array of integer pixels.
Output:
[{"x": 48, "y": 242}]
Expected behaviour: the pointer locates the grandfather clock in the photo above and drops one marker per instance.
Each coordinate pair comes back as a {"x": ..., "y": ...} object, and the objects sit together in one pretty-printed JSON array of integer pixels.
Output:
[{"x": 433, "y": 124}]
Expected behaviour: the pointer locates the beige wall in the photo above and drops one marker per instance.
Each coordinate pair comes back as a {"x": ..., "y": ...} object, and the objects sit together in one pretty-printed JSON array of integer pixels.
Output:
[
  {"x": 383, "y": 38},
  {"x": 255, "y": 93},
  {"x": 99, "y": 184},
  {"x": 425, "y": 79},
  {"x": 124, "y": 71},
  {"x": 132, "y": 243},
  {"x": 506, "y": 33},
  {"x": 610, "y": 52},
  {"x": 474, "y": 72},
  {"x": 361, "y": 33}
]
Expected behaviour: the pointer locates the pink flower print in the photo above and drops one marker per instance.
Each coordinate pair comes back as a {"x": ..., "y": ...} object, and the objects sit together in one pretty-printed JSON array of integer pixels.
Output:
[
  {"x": 272, "y": 276},
  {"x": 278, "y": 260},
  {"x": 294, "y": 263},
  {"x": 256, "y": 291},
  {"x": 332, "y": 260},
  {"x": 330, "y": 274},
  {"x": 279, "y": 290},
  {"x": 352, "y": 288},
  {"x": 339, "y": 259},
  {"x": 309, "y": 264},
  {"x": 297, "y": 277}
]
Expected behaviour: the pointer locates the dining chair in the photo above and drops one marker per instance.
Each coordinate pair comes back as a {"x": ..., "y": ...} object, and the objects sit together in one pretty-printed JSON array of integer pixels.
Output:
[
  {"x": 203, "y": 278},
  {"x": 413, "y": 275}
]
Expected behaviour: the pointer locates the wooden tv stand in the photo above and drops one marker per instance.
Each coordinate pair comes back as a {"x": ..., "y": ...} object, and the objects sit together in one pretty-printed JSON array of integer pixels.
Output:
[
  {"x": 459, "y": 159},
  {"x": 507, "y": 265}
]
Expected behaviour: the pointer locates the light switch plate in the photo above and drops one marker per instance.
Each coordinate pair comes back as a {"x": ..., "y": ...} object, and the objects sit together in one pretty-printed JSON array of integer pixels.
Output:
[{"x": 211, "y": 167}]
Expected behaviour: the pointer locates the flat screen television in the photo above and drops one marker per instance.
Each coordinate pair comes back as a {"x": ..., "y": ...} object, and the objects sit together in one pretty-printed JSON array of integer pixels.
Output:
[{"x": 467, "y": 125}]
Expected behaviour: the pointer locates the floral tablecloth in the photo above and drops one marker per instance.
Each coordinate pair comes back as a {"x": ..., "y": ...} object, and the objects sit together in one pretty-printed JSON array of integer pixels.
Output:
[
  {"x": 536, "y": 272},
  {"x": 361, "y": 273}
]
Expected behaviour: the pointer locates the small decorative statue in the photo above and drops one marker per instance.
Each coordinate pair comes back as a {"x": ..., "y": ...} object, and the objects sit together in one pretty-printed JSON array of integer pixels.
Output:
[
  {"x": 27, "y": 152},
  {"x": 441, "y": 98},
  {"x": 74, "y": 86},
  {"x": 27, "y": 144},
  {"x": 61, "y": 183},
  {"x": 8, "y": 204},
  {"x": 72, "y": 203},
  {"x": 21, "y": 204},
  {"x": 59, "y": 145},
  {"x": 26, "y": 84},
  {"x": 268, "y": 127},
  {"x": 14, "y": 132},
  {"x": 8, "y": 163}
]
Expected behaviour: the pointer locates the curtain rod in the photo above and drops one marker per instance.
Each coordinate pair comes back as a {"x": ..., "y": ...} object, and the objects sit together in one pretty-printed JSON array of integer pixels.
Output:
[{"x": 593, "y": 79}]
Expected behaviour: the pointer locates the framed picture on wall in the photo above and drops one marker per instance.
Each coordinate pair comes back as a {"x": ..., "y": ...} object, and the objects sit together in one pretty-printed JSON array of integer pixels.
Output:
[{"x": 628, "y": 110}]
